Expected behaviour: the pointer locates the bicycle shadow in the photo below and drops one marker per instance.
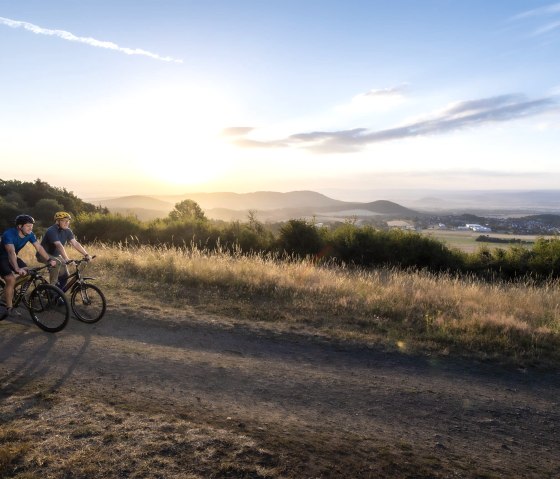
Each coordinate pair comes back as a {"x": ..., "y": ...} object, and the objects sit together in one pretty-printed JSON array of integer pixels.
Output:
[{"x": 33, "y": 375}]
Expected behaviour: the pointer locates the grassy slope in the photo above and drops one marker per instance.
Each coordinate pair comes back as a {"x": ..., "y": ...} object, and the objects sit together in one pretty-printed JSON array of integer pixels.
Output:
[{"x": 417, "y": 312}]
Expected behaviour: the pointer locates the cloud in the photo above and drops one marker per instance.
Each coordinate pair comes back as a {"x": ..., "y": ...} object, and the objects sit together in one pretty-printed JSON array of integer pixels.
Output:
[
  {"x": 457, "y": 116},
  {"x": 237, "y": 131},
  {"x": 539, "y": 12},
  {"x": 87, "y": 40}
]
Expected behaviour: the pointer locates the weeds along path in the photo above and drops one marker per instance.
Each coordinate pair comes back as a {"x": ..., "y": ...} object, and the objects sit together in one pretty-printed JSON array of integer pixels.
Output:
[{"x": 177, "y": 390}]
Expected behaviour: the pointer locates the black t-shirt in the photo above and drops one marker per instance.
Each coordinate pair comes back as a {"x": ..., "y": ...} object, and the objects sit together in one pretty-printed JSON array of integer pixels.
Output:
[{"x": 55, "y": 233}]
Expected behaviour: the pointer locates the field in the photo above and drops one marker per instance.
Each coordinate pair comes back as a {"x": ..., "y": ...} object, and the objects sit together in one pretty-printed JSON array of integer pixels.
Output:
[
  {"x": 466, "y": 240},
  {"x": 220, "y": 366}
]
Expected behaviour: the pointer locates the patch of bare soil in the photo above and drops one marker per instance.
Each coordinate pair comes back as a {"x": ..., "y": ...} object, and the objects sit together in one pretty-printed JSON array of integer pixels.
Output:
[{"x": 160, "y": 392}]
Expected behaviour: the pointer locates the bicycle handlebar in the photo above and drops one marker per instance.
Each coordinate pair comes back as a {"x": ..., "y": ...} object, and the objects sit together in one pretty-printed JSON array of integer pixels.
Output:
[{"x": 78, "y": 261}]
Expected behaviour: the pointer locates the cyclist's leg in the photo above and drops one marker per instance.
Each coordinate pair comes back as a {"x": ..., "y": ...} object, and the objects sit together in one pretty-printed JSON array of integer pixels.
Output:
[
  {"x": 63, "y": 274},
  {"x": 59, "y": 272},
  {"x": 9, "y": 278}
]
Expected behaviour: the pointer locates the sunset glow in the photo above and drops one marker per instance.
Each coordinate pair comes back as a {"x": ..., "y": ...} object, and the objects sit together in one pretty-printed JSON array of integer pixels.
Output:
[{"x": 359, "y": 98}]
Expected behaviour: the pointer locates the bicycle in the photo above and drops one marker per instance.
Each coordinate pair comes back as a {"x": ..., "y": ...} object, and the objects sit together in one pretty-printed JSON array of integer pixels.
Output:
[
  {"x": 87, "y": 301},
  {"x": 46, "y": 303}
]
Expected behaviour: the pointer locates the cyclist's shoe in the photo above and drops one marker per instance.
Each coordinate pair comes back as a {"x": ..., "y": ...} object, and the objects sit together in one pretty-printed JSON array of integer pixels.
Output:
[{"x": 5, "y": 312}]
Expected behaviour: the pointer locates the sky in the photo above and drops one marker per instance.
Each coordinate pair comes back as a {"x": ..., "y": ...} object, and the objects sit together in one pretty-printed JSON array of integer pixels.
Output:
[{"x": 345, "y": 97}]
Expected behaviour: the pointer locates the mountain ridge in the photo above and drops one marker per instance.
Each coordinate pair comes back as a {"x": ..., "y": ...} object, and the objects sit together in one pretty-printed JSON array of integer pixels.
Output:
[{"x": 268, "y": 205}]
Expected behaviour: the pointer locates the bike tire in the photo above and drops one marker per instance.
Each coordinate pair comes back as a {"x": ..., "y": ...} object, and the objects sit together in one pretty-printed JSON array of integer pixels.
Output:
[
  {"x": 2, "y": 316},
  {"x": 88, "y": 303},
  {"x": 49, "y": 308}
]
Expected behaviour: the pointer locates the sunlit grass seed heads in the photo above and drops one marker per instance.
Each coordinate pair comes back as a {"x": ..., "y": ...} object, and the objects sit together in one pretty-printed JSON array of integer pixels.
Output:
[{"x": 407, "y": 310}]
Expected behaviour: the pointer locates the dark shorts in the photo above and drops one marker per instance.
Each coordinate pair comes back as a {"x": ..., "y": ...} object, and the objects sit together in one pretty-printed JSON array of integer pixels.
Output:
[{"x": 6, "y": 268}]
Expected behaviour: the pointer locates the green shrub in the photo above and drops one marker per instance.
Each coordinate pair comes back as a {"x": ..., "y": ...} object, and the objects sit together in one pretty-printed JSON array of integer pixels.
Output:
[{"x": 300, "y": 238}]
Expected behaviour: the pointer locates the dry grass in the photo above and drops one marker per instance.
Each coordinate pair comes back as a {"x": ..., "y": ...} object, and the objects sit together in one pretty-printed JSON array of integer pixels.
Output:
[
  {"x": 408, "y": 310},
  {"x": 81, "y": 438},
  {"x": 72, "y": 433}
]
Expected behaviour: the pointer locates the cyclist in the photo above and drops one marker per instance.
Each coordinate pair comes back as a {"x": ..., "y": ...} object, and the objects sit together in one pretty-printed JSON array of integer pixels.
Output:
[
  {"x": 13, "y": 240},
  {"x": 54, "y": 240}
]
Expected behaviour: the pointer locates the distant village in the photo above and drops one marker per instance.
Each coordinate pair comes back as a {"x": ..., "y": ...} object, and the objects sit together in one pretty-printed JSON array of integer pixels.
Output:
[{"x": 546, "y": 224}]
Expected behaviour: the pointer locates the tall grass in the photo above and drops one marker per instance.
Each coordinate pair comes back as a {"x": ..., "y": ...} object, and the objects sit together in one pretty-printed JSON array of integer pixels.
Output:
[{"x": 407, "y": 310}]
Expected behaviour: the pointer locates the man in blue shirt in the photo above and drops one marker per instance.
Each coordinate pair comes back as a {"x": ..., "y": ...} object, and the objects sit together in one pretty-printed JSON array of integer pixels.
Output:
[
  {"x": 13, "y": 240},
  {"x": 53, "y": 242}
]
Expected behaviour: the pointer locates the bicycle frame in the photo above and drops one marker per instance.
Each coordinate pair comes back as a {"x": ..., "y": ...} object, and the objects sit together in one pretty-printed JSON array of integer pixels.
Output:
[
  {"x": 76, "y": 278},
  {"x": 23, "y": 283}
]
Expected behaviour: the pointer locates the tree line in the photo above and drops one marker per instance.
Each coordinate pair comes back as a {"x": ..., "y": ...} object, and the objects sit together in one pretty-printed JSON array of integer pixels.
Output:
[
  {"x": 344, "y": 244},
  {"x": 40, "y": 200}
]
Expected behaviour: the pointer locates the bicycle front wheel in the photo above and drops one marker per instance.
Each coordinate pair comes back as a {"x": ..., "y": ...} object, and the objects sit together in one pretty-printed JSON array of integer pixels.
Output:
[
  {"x": 88, "y": 303},
  {"x": 49, "y": 308}
]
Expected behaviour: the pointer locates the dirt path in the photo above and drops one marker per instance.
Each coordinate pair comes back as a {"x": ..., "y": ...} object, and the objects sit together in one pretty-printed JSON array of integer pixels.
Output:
[{"x": 290, "y": 405}]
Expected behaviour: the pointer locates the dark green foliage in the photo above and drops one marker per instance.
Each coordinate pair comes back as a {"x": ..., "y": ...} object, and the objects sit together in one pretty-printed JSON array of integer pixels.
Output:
[
  {"x": 185, "y": 232},
  {"x": 107, "y": 227},
  {"x": 367, "y": 246},
  {"x": 545, "y": 259},
  {"x": 300, "y": 238},
  {"x": 38, "y": 199},
  {"x": 542, "y": 261},
  {"x": 45, "y": 209},
  {"x": 8, "y": 212}
]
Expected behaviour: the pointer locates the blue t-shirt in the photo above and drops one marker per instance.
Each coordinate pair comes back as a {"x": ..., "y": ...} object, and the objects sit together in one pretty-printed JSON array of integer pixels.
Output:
[
  {"x": 55, "y": 233},
  {"x": 11, "y": 236}
]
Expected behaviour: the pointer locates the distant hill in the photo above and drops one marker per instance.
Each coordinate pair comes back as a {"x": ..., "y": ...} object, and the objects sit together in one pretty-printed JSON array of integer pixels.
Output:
[
  {"x": 144, "y": 207},
  {"x": 260, "y": 200},
  {"x": 486, "y": 201},
  {"x": 268, "y": 205}
]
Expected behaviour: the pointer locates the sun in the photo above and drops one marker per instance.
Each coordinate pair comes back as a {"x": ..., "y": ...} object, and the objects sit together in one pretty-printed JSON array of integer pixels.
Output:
[
  {"x": 170, "y": 134},
  {"x": 181, "y": 139}
]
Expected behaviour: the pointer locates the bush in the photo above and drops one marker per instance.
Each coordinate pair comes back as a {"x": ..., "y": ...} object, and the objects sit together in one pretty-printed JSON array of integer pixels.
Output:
[
  {"x": 300, "y": 238},
  {"x": 111, "y": 228}
]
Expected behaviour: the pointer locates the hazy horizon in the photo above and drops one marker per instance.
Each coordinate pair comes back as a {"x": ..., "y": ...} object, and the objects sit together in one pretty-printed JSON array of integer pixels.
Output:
[{"x": 121, "y": 98}]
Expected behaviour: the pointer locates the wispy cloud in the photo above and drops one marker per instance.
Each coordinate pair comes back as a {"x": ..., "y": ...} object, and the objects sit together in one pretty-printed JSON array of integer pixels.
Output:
[
  {"x": 551, "y": 9},
  {"x": 542, "y": 14},
  {"x": 458, "y": 116},
  {"x": 87, "y": 40}
]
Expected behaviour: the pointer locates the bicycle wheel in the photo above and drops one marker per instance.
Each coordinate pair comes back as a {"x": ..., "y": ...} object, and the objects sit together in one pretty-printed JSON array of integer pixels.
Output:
[
  {"x": 49, "y": 308},
  {"x": 88, "y": 303},
  {"x": 2, "y": 307}
]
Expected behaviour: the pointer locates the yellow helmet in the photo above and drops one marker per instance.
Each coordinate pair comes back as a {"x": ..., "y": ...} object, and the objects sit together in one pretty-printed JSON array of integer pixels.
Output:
[{"x": 62, "y": 215}]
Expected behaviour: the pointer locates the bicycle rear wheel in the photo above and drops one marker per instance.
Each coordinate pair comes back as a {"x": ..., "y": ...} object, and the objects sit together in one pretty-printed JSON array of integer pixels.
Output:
[
  {"x": 88, "y": 303},
  {"x": 49, "y": 308},
  {"x": 2, "y": 307}
]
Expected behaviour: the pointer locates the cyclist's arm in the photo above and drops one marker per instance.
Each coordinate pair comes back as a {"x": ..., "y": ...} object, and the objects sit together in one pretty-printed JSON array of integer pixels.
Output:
[
  {"x": 12, "y": 256},
  {"x": 43, "y": 253},
  {"x": 61, "y": 250},
  {"x": 78, "y": 247}
]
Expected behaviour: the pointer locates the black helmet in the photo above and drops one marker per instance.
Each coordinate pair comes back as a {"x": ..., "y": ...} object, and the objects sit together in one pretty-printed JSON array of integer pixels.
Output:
[{"x": 24, "y": 219}]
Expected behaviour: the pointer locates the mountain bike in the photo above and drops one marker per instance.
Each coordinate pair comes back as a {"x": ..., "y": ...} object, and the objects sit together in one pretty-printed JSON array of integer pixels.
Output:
[
  {"x": 46, "y": 303},
  {"x": 86, "y": 300}
]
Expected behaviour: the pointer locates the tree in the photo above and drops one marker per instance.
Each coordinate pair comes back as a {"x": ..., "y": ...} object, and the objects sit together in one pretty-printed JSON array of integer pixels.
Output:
[
  {"x": 45, "y": 209},
  {"x": 300, "y": 237},
  {"x": 187, "y": 210}
]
